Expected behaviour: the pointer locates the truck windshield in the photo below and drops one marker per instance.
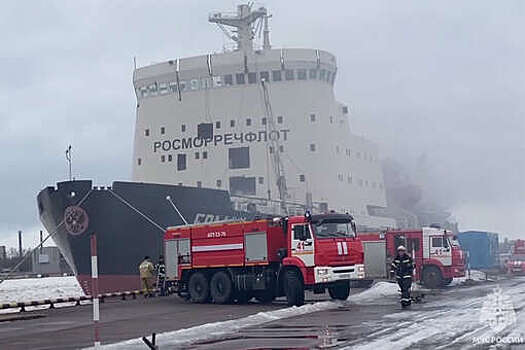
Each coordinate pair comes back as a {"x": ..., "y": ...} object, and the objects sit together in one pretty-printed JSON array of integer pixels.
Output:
[{"x": 327, "y": 229}]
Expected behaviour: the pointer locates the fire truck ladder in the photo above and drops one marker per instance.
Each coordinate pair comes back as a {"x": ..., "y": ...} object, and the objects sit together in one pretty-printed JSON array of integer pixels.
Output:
[{"x": 274, "y": 150}]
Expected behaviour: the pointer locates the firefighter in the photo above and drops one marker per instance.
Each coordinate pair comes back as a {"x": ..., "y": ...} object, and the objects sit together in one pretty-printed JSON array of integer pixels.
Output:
[
  {"x": 146, "y": 269},
  {"x": 402, "y": 269},
  {"x": 161, "y": 276}
]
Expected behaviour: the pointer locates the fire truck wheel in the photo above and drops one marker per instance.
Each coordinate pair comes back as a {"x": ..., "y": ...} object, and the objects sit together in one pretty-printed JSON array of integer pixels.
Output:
[
  {"x": 432, "y": 277},
  {"x": 221, "y": 288},
  {"x": 339, "y": 291},
  {"x": 199, "y": 288},
  {"x": 294, "y": 289}
]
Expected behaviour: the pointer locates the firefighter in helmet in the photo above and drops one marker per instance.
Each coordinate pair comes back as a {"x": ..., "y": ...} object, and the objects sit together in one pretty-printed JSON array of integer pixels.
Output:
[
  {"x": 146, "y": 269},
  {"x": 402, "y": 269}
]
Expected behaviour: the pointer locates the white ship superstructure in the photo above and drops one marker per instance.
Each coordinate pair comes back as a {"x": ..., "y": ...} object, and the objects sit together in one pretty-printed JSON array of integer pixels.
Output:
[{"x": 263, "y": 124}]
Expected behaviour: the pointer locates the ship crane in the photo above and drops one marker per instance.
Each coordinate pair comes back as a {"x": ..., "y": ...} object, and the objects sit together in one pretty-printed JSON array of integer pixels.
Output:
[
  {"x": 274, "y": 150},
  {"x": 243, "y": 23}
]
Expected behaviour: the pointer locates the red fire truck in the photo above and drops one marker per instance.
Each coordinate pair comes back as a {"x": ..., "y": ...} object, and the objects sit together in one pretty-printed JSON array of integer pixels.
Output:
[
  {"x": 266, "y": 258},
  {"x": 436, "y": 253},
  {"x": 515, "y": 265}
]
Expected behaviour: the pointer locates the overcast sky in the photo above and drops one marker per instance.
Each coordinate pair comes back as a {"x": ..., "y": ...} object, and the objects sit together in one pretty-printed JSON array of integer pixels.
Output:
[{"x": 443, "y": 79}]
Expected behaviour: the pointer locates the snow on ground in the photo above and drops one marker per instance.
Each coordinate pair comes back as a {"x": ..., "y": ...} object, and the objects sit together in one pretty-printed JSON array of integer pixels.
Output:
[
  {"x": 377, "y": 291},
  {"x": 458, "y": 323},
  {"x": 34, "y": 289},
  {"x": 475, "y": 275}
]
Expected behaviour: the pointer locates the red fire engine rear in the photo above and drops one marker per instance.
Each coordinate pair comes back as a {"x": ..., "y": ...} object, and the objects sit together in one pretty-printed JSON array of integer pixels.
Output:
[
  {"x": 515, "y": 265},
  {"x": 436, "y": 253},
  {"x": 267, "y": 258}
]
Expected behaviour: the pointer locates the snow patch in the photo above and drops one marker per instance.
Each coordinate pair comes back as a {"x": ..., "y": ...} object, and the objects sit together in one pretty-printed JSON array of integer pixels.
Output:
[{"x": 377, "y": 291}]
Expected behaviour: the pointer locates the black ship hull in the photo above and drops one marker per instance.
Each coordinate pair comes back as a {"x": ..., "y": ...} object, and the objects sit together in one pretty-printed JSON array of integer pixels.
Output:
[{"x": 128, "y": 220}]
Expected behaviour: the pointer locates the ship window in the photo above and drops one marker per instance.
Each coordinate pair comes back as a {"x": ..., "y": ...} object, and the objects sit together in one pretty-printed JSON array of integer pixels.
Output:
[
  {"x": 170, "y": 157},
  {"x": 312, "y": 147},
  {"x": 345, "y": 109},
  {"x": 204, "y": 155},
  {"x": 281, "y": 148},
  {"x": 197, "y": 155},
  {"x": 263, "y": 121},
  {"x": 312, "y": 117},
  {"x": 301, "y": 74},
  {"x": 183, "y": 127},
  {"x": 265, "y": 76},
  {"x": 340, "y": 177},
  {"x": 331, "y": 120},
  {"x": 239, "y": 78},
  {"x": 252, "y": 78},
  {"x": 219, "y": 183},
  {"x": 261, "y": 180},
  {"x": 337, "y": 149},
  {"x": 139, "y": 161},
  {"x": 228, "y": 79},
  {"x": 217, "y": 125},
  {"x": 199, "y": 183},
  {"x": 181, "y": 162},
  {"x": 146, "y": 132},
  {"x": 288, "y": 74},
  {"x": 313, "y": 73},
  {"x": 162, "y": 130},
  {"x": 280, "y": 119},
  {"x": 163, "y": 158},
  {"x": 173, "y": 87},
  {"x": 153, "y": 89},
  {"x": 248, "y": 122},
  {"x": 322, "y": 73},
  {"x": 276, "y": 75},
  {"x": 240, "y": 185},
  {"x": 205, "y": 130},
  {"x": 232, "y": 123},
  {"x": 182, "y": 85},
  {"x": 302, "y": 178},
  {"x": 163, "y": 88},
  {"x": 217, "y": 81},
  {"x": 270, "y": 149},
  {"x": 239, "y": 158}
]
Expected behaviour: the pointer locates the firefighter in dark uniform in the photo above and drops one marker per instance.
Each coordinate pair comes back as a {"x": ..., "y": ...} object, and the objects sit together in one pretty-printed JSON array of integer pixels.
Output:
[
  {"x": 402, "y": 269},
  {"x": 161, "y": 276}
]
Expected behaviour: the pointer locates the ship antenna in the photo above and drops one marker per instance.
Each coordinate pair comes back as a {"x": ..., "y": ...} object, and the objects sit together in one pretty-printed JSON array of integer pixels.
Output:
[
  {"x": 68, "y": 157},
  {"x": 242, "y": 22}
]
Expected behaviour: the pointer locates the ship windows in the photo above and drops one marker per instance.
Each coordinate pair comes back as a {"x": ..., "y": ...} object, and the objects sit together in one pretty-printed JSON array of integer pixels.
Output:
[
  {"x": 263, "y": 121},
  {"x": 302, "y": 178},
  {"x": 289, "y": 74},
  {"x": 239, "y": 158},
  {"x": 265, "y": 76},
  {"x": 340, "y": 177},
  {"x": 349, "y": 179},
  {"x": 241, "y": 185},
  {"x": 197, "y": 155},
  {"x": 152, "y": 89},
  {"x": 261, "y": 180},
  {"x": 228, "y": 80},
  {"x": 163, "y": 88},
  {"x": 232, "y": 123},
  {"x": 312, "y": 147},
  {"x": 217, "y": 125},
  {"x": 276, "y": 75},
  {"x": 181, "y": 162},
  {"x": 204, "y": 155},
  {"x": 280, "y": 119},
  {"x": 219, "y": 183},
  {"x": 162, "y": 130},
  {"x": 322, "y": 74},
  {"x": 301, "y": 74},
  {"x": 162, "y": 158},
  {"x": 312, "y": 117},
  {"x": 183, "y": 127},
  {"x": 345, "y": 109},
  {"x": 270, "y": 149},
  {"x": 146, "y": 132},
  {"x": 281, "y": 148},
  {"x": 139, "y": 161},
  {"x": 239, "y": 78},
  {"x": 199, "y": 184},
  {"x": 205, "y": 130},
  {"x": 248, "y": 122},
  {"x": 173, "y": 87},
  {"x": 331, "y": 120},
  {"x": 313, "y": 74},
  {"x": 252, "y": 78}
]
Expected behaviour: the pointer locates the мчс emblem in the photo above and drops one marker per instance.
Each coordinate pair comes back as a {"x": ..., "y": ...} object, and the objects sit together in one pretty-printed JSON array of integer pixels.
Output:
[
  {"x": 76, "y": 220},
  {"x": 498, "y": 311}
]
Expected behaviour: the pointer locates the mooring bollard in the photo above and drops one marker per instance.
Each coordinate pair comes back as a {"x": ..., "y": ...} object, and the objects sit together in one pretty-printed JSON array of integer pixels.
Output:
[{"x": 94, "y": 290}]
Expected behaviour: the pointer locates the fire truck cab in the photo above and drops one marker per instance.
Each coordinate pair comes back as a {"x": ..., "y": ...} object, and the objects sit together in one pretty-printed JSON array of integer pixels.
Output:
[
  {"x": 235, "y": 261},
  {"x": 436, "y": 253}
]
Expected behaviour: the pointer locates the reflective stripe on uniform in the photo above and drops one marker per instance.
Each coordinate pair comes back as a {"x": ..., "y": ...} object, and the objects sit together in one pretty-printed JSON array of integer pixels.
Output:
[{"x": 407, "y": 276}]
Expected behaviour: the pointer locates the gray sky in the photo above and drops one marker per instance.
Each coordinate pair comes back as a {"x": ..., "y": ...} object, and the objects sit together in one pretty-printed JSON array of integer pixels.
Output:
[{"x": 443, "y": 79}]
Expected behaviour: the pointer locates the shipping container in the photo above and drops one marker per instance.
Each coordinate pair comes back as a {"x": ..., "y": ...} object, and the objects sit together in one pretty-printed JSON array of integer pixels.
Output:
[{"x": 482, "y": 248}]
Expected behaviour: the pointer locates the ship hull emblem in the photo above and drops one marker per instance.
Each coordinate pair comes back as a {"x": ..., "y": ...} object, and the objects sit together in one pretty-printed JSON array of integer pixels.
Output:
[{"x": 76, "y": 220}]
